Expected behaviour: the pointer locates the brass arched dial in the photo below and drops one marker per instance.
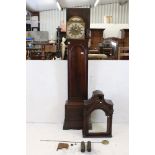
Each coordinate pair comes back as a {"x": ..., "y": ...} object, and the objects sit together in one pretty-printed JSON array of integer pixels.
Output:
[{"x": 75, "y": 28}]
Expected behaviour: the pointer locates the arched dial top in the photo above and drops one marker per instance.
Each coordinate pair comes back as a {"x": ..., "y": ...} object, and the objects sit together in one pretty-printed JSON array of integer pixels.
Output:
[{"x": 75, "y": 28}]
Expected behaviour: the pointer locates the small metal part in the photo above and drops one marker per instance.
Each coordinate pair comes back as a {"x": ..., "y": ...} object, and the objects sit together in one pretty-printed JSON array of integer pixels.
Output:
[
  {"x": 62, "y": 145},
  {"x": 82, "y": 146},
  {"x": 89, "y": 146},
  {"x": 105, "y": 142},
  {"x": 71, "y": 144}
]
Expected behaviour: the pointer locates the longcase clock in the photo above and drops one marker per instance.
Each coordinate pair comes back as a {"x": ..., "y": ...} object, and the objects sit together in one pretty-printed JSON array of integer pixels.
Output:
[{"x": 78, "y": 25}]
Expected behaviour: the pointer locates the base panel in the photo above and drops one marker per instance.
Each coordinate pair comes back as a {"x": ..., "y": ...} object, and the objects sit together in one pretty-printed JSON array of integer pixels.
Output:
[{"x": 73, "y": 115}]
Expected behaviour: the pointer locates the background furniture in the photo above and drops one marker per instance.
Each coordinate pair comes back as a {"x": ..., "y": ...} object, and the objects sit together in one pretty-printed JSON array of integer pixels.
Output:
[
  {"x": 125, "y": 37},
  {"x": 97, "y": 56},
  {"x": 123, "y": 52},
  {"x": 41, "y": 51},
  {"x": 34, "y": 54},
  {"x": 96, "y": 36},
  {"x": 109, "y": 47},
  {"x": 58, "y": 41},
  {"x": 32, "y": 21}
]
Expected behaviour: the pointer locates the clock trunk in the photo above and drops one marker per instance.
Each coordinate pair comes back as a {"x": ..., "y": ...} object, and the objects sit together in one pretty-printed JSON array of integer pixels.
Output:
[{"x": 77, "y": 70}]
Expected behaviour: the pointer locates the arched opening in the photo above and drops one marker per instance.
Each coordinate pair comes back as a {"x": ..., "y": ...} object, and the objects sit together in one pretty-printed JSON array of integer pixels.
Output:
[
  {"x": 98, "y": 121},
  {"x": 97, "y": 116}
]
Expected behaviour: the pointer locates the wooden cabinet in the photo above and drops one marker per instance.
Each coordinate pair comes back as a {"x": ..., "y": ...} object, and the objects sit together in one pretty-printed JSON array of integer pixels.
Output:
[
  {"x": 96, "y": 36},
  {"x": 123, "y": 52},
  {"x": 125, "y": 37}
]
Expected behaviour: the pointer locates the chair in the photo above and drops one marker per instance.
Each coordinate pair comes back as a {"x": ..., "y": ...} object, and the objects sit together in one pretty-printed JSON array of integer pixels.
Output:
[{"x": 123, "y": 52}]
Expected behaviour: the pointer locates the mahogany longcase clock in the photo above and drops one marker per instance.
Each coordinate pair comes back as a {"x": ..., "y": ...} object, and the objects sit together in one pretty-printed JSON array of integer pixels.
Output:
[{"x": 78, "y": 25}]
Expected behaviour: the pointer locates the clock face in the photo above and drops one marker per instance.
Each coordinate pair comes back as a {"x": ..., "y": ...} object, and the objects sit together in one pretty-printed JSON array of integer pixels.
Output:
[{"x": 76, "y": 28}]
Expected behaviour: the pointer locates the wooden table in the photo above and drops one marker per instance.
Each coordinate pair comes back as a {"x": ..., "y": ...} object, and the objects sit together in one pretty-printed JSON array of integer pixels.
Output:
[{"x": 39, "y": 53}]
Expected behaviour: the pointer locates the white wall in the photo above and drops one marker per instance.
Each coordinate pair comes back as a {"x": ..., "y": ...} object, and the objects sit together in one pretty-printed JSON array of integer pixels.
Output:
[
  {"x": 119, "y": 13},
  {"x": 111, "y": 30},
  {"x": 47, "y": 88},
  {"x": 50, "y": 20}
]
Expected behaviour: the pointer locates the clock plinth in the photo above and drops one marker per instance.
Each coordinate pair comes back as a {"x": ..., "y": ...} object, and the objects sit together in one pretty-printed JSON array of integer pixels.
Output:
[{"x": 73, "y": 115}]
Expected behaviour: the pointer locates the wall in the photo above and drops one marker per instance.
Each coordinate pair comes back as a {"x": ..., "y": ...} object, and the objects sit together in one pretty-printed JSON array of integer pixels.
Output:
[
  {"x": 50, "y": 20},
  {"x": 47, "y": 88},
  {"x": 118, "y": 12},
  {"x": 111, "y": 30}
]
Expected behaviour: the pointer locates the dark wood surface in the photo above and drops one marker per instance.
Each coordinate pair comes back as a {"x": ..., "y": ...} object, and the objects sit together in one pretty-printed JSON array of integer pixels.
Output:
[
  {"x": 125, "y": 43},
  {"x": 77, "y": 84},
  {"x": 125, "y": 37},
  {"x": 97, "y": 101},
  {"x": 73, "y": 115},
  {"x": 96, "y": 38},
  {"x": 77, "y": 72}
]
